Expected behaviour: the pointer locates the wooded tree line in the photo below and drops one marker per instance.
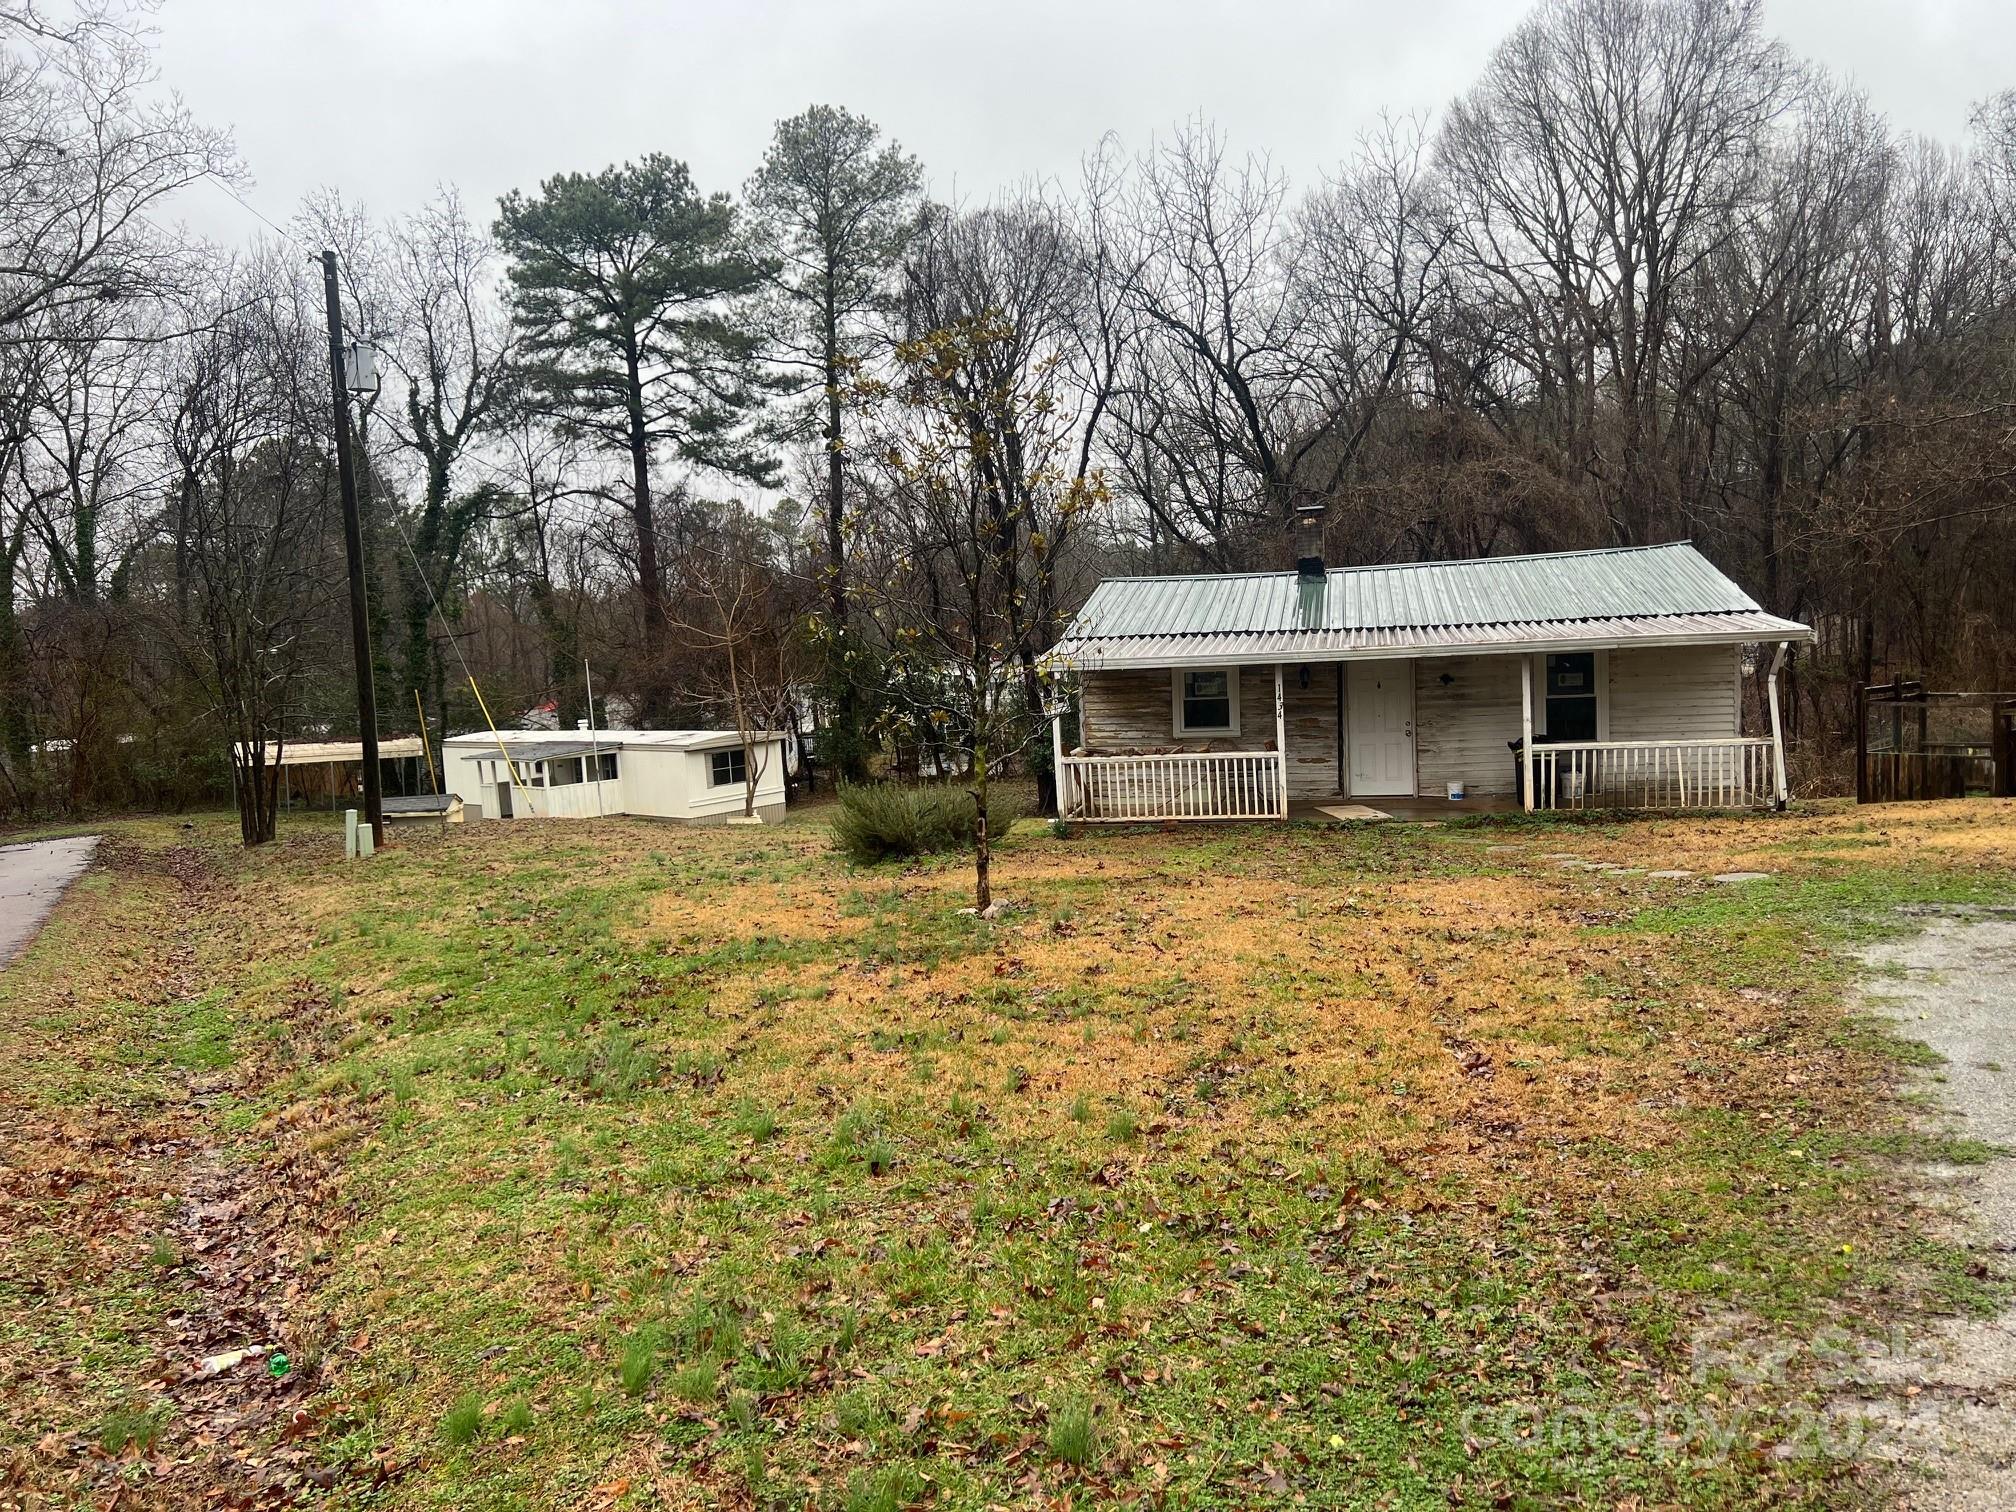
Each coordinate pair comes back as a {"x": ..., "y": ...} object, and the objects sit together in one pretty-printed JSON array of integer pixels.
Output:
[{"x": 832, "y": 453}]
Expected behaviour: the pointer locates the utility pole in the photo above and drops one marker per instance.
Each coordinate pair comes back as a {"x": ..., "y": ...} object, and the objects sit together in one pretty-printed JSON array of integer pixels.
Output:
[{"x": 353, "y": 548}]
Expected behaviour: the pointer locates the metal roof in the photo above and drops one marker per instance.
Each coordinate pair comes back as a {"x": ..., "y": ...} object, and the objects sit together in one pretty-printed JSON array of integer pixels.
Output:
[
  {"x": 1667, "y": 594},
  {"x": 418, "y": 803},
  {"x": 323, "y": 752},
  {"x": 551, "y": 750}
]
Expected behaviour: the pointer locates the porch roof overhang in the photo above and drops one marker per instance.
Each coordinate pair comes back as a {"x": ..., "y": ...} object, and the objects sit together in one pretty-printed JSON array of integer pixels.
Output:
[{"x": 1243, "y": 647}]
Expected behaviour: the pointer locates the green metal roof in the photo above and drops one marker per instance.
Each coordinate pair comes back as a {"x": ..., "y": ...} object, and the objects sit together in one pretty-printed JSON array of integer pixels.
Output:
[
  {"x": 1669, "y": 591},
  {"x": 1669, "y": 579}
]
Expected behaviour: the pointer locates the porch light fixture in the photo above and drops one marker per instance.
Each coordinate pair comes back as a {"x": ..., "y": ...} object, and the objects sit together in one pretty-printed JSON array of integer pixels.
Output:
[{"x": 1447, "y": 678}]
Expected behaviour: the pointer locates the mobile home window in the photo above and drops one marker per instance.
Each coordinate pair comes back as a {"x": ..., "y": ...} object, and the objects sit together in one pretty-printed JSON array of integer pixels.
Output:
[
  {"x": 565, "y": 772},
  {"x": 728, "y": 767},
  {"x": 1207, "y": 701},
  {"x": 1571, "y": 696},
  {"x": 605, "y": 767}
]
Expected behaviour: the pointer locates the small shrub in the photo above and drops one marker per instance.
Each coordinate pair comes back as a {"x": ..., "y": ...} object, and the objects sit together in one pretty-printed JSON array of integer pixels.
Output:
[
  {"x": 461, "y": 1423},
  {"x": 883, "y": 820},
  {"x": 1071, "y": 1436}
]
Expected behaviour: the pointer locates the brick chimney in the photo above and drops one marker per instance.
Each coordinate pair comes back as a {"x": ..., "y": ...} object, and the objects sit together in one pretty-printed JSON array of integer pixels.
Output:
[{"x": 1309, "y": 541}]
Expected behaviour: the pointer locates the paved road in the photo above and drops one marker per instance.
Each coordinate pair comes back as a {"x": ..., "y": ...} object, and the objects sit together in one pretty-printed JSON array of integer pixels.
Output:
[{"x": 32, "y": 878}]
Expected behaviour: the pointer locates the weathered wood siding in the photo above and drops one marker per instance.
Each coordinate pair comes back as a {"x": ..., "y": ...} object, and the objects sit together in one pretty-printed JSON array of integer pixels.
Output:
[
  {"x": 1460, "y": 728},
  {"x": 1134, "y": 710},
  {"x": 1674, "y": 693},
  {"x": 1125, "y": 711},
  {"x": 1312, "y": 729}
]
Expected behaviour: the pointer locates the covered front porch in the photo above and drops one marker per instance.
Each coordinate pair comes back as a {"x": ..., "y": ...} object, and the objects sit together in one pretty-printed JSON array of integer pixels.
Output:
[{"x": 1640, "y": 726}]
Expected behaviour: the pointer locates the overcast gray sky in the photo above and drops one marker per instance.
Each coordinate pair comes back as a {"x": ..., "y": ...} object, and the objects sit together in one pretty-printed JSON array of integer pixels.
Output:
[{"x": 384, "y": 98}]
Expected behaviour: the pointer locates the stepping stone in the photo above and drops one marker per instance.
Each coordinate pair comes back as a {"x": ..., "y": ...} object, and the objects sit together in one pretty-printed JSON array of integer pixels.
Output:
[
  {"x": 1672, "y": 876},
  {"x": 1561, "y": 856},
  {"x": 1741, "y": 876},
  {"x": 1581, "y": 865},
  {"x": 1623, "y": 871}
]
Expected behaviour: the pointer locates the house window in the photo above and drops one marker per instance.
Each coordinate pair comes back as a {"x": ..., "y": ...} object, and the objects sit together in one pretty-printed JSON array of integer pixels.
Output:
[
  {"x": 726, "y": 767},
  {"x": 605, "y": 767},
  {"x": 565, "y": 772},
  {"x": 1207, "y": 700},
  {"x": 1571, "y": 696}
]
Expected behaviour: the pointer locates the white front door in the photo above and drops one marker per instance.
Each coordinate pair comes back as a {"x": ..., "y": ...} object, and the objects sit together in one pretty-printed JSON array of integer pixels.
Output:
[{"x": 1379, "y": 705}]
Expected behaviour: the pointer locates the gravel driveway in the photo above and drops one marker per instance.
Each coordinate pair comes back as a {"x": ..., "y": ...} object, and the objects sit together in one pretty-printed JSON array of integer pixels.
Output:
[{"x": 1954, "y": 987}]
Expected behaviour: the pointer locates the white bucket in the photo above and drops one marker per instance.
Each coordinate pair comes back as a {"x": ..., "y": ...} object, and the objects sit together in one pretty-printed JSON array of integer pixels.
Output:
[{"x": 1456, "y": 792}]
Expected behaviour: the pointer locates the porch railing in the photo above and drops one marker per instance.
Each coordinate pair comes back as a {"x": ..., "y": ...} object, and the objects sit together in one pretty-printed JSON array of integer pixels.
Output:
[
  {"x": 1735, "y": 773},
  {"x": 1180, "y": 785}
]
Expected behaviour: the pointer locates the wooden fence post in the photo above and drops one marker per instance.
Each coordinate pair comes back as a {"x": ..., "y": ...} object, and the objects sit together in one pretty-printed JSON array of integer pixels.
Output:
[{"x": 1861, "y": 744}]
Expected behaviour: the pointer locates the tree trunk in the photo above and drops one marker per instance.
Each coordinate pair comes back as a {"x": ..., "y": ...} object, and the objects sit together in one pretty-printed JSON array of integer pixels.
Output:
[
  {"x": 15, "y": 741},
  {"x": 983, "y": 854},
  {"x": 651, "y": 587},
  {"x": 852, "y": 762}
]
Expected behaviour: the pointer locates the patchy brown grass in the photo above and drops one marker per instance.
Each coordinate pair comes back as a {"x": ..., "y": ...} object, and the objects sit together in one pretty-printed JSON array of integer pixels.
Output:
[{"x": 1263, "y": 1140}]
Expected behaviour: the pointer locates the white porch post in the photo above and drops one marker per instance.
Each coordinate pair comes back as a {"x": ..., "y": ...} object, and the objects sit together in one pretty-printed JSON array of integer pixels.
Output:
[
  {"x": 1057, "y": 772},
  {"x": 1526, "y": 725},
  {"x": 1782, "y": 790},
  {"x": 1280, "y": 737}
]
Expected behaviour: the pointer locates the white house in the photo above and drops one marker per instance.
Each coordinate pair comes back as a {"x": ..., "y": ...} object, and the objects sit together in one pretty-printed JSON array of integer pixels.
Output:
[
  {"x": 1569, "y": 680},
  {"x": 696, "y": 775}
]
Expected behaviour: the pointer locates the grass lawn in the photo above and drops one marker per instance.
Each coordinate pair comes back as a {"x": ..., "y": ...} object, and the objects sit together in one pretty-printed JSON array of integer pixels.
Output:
[{"x": 617, "y": 1164}]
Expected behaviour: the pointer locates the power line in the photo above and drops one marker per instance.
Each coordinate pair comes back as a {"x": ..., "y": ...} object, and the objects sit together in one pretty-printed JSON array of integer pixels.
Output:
[{"x": 247, "y": 204}]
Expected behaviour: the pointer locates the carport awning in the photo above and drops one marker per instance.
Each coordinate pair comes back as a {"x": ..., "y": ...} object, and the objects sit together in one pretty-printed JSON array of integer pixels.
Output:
[
  {"x": 551, "y": 750},
  {"x": 324, "y": 752}
]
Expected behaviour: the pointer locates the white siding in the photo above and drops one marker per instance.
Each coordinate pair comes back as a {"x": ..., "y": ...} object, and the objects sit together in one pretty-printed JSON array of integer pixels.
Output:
[
  {"x": 662, "y": 782},
  {"x": 1674, "y": 693},
  {"x": 460, "y": 775},
  {"x": 1461, "y": 727}
]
